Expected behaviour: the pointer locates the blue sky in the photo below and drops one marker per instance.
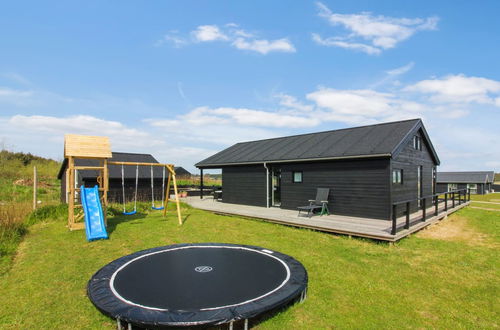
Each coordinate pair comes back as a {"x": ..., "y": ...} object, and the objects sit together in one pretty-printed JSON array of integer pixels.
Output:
[{"x": 185, "y": 79}]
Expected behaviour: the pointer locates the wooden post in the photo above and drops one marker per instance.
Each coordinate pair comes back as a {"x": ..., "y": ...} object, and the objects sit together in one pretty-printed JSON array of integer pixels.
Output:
[
  {"x": 394, "y": 219},
  {"x": 167, "y": 193},
  {"x": 424, "y": 210},
  {"x": 436, "y": 205},
  {"x": 34, "y": 188},
  {"x": 201, "y": 183},
  {"x": 446, "y": 201},
  {"x": 407, "y": 224},
  {"x": 468, "y": 195},
  {"x": 105, "y": 186},
  {"x": 71, "y": 201},
  {"x": 177, "y": 199},
  {"x": 453, "y": 199}
]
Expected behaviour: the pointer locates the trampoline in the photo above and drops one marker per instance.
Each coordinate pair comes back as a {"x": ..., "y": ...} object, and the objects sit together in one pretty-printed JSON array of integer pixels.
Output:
[{"x": 196, "y": 284}]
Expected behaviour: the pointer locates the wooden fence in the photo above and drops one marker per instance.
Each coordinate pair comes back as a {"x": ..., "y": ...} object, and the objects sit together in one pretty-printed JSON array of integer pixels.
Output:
[{"x": 446, "y": 197}]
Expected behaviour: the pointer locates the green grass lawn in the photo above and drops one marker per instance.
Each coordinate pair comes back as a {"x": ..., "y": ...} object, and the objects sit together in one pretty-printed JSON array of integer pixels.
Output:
[
  {"x": 494, "y": 197},
  {"x": 425, "y": 281}
]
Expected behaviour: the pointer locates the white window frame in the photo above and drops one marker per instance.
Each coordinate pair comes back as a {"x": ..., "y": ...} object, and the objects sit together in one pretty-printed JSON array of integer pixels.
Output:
[
  {"x": 397, "y": 176},
  {"x": 472, "y": 187},
  {"x": 294, "y": 178},
  {"x": 452, "y": 186},
  {"x": 417, "y": 142}
]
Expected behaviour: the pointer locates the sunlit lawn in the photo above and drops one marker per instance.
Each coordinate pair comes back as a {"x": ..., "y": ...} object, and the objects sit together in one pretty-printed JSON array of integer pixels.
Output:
[{"x": 421, "y": 282}]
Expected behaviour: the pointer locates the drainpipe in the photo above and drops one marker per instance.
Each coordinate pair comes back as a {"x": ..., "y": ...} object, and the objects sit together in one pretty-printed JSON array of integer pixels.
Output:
[{"x": 267, "y": 185}]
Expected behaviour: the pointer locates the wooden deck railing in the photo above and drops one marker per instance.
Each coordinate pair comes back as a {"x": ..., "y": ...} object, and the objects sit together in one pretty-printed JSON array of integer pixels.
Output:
[{"x": 463, "y": 197}]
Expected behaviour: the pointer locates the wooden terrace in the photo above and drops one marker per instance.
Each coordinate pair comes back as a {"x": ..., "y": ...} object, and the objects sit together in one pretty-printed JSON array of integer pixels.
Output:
[{"x": 353, "y": 226}]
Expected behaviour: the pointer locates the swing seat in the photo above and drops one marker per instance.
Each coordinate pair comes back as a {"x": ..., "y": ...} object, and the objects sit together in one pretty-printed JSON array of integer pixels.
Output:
[
  {"x": 130, "y": 213},
  {"x": 157, "y": 208}
]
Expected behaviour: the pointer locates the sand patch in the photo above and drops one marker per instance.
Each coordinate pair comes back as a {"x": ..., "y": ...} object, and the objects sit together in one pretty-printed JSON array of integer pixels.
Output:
[{"x": 455, "y": 228}]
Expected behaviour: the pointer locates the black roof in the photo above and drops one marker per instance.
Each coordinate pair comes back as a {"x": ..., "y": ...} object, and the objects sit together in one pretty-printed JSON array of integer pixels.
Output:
[
  {"x": 466, "y": 177},
  {"x": 115, "y": 170},
  {"x": 181, "y": 171},
  {"x": 385, "y": 139}
]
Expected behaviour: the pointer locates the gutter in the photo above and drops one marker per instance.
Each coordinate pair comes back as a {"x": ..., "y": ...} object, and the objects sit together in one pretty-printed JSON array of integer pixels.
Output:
[
  {"x": 296, "y": 160},
  {"x": 267, "y": 184}
]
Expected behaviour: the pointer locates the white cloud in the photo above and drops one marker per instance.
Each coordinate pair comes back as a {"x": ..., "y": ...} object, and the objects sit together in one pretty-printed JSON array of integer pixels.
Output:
[
  {"x": 17, "y": 78},
  {"x": 381, "y": 32},
  {"x": 46, "y": 136},
  {"x": 464, "y": 147},
  {"x": 355, "y": 102},
  {"x": 172, "y": 37},
  {"x": 231, "y": 34},
  {"x": 204, "y": 33},
  {"x": 202, "y": 116},
  {"x": 265, "y": 46},
  {"x": 82, "y": 124},
  {"x": 332, "y": 41},
  {"x": 392, "y": 75},
  {"x": 6, "y": 93},
  {"x": 401, "y": 70},
  {"x": 459, "y": 89},
  {"x": 291, "y": 102},
  {"x": 204, "y": 130}
]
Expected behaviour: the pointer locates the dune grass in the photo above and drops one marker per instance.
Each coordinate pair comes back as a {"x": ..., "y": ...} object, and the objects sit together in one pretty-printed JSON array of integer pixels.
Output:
[{"x": 420, "y": 282}]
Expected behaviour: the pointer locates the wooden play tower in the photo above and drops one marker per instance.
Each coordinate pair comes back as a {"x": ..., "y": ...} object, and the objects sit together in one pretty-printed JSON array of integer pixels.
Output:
[{"x": 99, "y": 148}]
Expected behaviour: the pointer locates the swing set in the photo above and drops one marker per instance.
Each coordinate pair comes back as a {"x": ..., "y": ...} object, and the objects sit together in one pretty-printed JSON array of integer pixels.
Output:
[
  {"x": 99, "y": 148},
  {"x": 153, "y": 206}
]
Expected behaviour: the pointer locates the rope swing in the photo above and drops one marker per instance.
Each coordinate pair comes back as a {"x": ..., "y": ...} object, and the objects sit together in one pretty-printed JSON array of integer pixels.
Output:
[
  {"x": 135, "y": 194},
  {"x": 153, "y": 192}
]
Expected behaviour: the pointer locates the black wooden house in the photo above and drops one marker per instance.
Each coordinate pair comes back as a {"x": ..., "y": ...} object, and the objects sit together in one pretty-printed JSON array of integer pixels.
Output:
[
  {"x": 88, "y": 178},
  {"x": 477, "y": 182},
  {"x": 366, "y": 168}
]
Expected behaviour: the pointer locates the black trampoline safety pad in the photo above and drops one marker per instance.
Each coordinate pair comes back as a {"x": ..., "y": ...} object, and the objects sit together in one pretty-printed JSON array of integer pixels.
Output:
[{"x": 196, "y": 284}]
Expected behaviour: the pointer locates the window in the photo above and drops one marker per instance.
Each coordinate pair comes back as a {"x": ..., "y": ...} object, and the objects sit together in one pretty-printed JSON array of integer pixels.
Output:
[
  {"x": 434, "y": 174},
  {"x": 472, "y": 187},
  {"x": 417, "y": 142},
  {"x": 397, "y": 176},
  {"x": 452, "y": 186},
  {"x": 297, "y": 177}
]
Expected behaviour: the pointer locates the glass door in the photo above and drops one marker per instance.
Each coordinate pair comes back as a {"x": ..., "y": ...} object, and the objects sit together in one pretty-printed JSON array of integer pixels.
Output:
[
  {"x": 419, "y": 185},
  {"x": 276, "y": 186}
]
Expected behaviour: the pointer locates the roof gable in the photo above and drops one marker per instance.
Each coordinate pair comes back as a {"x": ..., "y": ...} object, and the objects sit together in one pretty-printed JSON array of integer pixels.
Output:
[{"x": 379, "y": 140}]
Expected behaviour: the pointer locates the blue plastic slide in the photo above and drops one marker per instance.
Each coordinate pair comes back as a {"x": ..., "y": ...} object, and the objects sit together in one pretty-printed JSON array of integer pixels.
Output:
[{"x": 94, "y": 219}]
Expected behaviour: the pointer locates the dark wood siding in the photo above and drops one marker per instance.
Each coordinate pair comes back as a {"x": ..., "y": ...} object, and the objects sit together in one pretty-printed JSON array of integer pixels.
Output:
[
  {"x": 357, "y": 187},
  {"x": 244, "y": 185},
  {"x": 408, "y": 160},
  {"x": 443, "y": 187},
  {"x": 63, "y": 187}
]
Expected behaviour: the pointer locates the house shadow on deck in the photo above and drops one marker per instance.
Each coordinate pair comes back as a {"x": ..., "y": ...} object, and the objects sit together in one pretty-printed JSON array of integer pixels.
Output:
[{"x": 353, "y": 226}]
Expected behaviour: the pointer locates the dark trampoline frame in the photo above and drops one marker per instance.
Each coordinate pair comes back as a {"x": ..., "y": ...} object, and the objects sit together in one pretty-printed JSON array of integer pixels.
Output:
[{"x": 101, "y": 292}]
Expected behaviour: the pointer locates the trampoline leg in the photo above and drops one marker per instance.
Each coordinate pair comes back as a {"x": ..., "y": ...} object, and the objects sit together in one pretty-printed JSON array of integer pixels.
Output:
[
  {"x": 118, "y": 324},
  {"x": 303, "y": 296},
  {"x": 246, "y": 324}
]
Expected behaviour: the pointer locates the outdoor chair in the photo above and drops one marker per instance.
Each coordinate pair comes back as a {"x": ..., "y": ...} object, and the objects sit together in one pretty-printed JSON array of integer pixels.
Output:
[
  {"x": 217, "y": 194},
  {"x": 320, "y": 203}
]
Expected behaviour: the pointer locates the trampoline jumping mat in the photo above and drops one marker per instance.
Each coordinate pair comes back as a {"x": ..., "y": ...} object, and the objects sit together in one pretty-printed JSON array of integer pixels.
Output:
[{"x": 196, "y": 284}]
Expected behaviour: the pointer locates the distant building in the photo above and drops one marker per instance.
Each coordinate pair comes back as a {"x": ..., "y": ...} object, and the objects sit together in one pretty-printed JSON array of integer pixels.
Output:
[
  {"x": 181, "y": 172},
  {"x": 88, "y": 178},
  {"x": 479, "y": 182}
]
